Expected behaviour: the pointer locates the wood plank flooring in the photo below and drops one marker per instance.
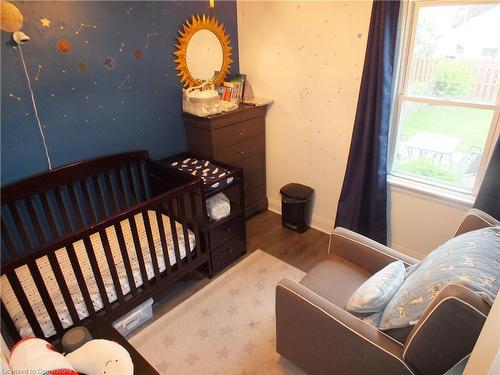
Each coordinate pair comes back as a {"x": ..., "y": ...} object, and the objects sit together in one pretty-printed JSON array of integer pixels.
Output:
[{"x": 265, "y": 232}]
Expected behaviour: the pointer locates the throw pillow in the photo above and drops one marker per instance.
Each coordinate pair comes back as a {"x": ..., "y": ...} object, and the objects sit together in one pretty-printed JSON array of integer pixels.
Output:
[
  {"x": 377, "y": 291},
  {"x": 471, "y": 259}
]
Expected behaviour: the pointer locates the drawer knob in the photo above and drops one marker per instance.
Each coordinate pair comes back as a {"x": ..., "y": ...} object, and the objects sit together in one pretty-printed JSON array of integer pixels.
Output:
[
  {"x": 229, "y": 250},
  {"x": 241, "y": 131},
  {"x": 241, "y": 152},
  {"x": 229, "y": 229}
]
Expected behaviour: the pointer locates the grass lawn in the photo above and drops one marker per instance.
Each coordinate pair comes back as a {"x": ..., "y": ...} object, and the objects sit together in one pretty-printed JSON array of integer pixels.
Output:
[{"x": 469, "y": 124}]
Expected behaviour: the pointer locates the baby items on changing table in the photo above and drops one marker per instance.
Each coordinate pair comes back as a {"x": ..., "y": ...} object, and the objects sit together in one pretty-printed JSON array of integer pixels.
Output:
[{"x": 218, "y": 206}]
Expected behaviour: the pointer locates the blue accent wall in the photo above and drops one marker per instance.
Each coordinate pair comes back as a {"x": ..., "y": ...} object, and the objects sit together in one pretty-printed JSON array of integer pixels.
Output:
[{"x": 82, "y": 108}]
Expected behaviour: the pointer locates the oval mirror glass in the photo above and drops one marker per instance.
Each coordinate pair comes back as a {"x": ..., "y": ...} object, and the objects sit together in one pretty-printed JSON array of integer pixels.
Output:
[{"x": 204, "y": 55}]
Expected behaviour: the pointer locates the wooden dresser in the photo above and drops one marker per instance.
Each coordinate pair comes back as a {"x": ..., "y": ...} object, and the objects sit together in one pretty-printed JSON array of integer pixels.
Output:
[{"x": 236, "y": 138}]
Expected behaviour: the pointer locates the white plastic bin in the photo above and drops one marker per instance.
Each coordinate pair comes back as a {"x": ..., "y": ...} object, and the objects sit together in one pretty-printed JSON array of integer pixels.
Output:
[{"x": 135, "y": 318}]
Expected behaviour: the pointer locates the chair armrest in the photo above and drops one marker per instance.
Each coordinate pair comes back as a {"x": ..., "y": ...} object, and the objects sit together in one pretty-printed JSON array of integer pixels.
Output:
[
  {"x": 447, "y": 330},
  {"x": 475, "y": 219},
  {"x": 322, "y": 338},
  {"x": 365, "y": 252}
]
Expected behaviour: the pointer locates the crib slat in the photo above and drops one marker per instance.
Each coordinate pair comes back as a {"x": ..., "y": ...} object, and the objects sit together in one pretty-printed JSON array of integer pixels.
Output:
[
  {"x": 182, "y": 217},
  {"x": 24, "y": 303},
  {"x": 126, "y": 259},
  {"x": 111, "y": 266},
  {"x": 46, "y": 298},
  {"x": 151, "y": 243},
  {"x": 76, "y": 208},
  {"x": 75, "y": 264},
  {"x": 141, "y": 193},
  {"x": 49, "y": 215},
  {"x": 20, "y": 227},
  {"x": 196, "y": 224},
  {"x": 35, "y": 221},
  {"x": 97, "y": 273},
  {"x": 163, "y": 240},
  {"x": 138, "y": 251},
  {"x": 88, "y": 201},
  {"x": 173, "y": 230},
  {"x": 63, "y": 211},
  {"x": 9, "y": 324},
  {"x": 122, "y": 201},
  {"x": 9, "y": 244},
  {"x": 130, "y": 181},
  {"x": 61, "y": 282},
  {"x": 98, "y": 194},
  {"x": 109, "y": 189}
]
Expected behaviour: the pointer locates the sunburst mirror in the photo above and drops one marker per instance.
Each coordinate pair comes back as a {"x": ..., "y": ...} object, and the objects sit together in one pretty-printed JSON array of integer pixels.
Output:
[{"x": 203, "y": 48}]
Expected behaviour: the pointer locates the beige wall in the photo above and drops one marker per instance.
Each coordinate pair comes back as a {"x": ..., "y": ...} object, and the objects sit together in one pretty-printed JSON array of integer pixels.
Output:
[{"x": 308, "y": 57}]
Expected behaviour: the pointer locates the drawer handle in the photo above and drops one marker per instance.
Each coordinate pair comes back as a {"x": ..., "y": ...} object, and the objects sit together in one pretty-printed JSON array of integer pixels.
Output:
[
  {"x": 241, "y": 132},
  {"x": 229, "y": 230},
  {"x": 241, "y": 152},
  {"x": 229, "y": 250}
]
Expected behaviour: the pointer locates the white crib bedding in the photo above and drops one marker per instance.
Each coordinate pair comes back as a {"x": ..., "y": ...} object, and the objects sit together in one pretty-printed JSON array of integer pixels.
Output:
[{"x": 15, "y": 310}]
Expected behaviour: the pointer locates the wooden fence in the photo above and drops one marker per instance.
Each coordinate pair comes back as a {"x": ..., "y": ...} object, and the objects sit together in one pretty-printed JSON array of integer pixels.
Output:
[{"x": 486, "y": 76}]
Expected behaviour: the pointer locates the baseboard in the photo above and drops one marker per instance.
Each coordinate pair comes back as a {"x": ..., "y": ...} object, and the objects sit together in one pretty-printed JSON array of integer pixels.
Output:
[{"x": 320, "y": 223}]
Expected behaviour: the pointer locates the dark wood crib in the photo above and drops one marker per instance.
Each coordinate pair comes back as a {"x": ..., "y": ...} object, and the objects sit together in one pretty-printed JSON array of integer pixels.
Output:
[{"x": 119, "y": 227}]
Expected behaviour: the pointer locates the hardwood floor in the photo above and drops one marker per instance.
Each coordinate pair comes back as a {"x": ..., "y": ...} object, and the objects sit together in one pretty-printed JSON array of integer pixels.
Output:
[{"x": 265, "y": 232}]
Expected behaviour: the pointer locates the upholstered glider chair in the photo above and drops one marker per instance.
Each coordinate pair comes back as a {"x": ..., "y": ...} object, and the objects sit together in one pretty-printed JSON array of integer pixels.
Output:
[{"x": 315, "y": 332}]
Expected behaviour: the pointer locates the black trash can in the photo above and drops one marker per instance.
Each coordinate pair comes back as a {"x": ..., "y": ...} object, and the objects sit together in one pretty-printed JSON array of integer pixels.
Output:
[{"x": 296, "y": 206}]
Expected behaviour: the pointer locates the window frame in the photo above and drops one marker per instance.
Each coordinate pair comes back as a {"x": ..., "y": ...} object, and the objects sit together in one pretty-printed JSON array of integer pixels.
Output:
[{"x": 408, "y": 20}]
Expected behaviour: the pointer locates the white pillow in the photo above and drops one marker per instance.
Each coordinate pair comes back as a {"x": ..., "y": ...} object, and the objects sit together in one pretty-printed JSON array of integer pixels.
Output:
[{"x": 377, "y": 291}]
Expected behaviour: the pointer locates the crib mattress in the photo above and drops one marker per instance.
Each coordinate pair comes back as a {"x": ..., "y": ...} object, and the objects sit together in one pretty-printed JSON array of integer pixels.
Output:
[{"x": 15, "y": 311}]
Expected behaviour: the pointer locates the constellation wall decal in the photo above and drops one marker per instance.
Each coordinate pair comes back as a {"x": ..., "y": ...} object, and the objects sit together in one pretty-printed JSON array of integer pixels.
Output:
[
  {"x": 39, "y": 68},
  {"x": 149, "y": 36},
  {"x": 84, "y": 25},
  {"x": 14, "y": 96},
  {"x": 122, "y": 47},
  {"x": 126, "y": 84}
]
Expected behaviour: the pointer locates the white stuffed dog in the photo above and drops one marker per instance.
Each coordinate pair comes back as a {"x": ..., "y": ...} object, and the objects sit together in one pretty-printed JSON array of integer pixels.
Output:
[{"x": 97, "y": 357}]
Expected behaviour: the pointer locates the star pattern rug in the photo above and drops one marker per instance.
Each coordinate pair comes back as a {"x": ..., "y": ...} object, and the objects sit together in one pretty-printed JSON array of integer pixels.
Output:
[{"x": 228, "y": 327}]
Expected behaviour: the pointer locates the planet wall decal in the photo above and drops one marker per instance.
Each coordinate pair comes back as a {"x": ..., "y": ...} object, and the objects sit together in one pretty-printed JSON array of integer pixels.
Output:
[
  {"x": 64, "y": 45},
  {"x": 138, "y": 54}
]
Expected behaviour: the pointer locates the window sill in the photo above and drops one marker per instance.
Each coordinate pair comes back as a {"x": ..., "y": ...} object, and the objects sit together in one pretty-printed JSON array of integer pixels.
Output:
[{"x": 433, "y": 192}]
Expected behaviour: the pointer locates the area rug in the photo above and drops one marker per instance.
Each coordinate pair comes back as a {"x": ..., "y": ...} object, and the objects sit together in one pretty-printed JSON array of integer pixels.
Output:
[{"x": 228, "y": 327}]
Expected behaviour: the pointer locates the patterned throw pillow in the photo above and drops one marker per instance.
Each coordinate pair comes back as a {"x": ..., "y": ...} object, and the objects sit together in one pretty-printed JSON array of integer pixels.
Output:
[
  {"x": 471, "y": 259},
  {"x": 378, "y": 290}
]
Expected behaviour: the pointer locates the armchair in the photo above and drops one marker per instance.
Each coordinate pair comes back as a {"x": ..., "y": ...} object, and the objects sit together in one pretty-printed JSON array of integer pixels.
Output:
[{"x": 315, "y": 332}]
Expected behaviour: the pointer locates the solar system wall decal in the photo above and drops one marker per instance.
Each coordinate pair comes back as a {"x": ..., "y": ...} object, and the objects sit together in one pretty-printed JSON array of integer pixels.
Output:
[{"x": 103, "y": 78}]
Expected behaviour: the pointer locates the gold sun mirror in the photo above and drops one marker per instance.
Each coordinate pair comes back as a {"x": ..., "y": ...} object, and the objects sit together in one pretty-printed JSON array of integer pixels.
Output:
[{"x": 203, "y": 48}]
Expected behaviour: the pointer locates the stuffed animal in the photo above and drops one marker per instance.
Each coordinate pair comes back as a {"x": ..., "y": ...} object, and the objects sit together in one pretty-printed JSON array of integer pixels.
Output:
[
  {"x": 32, "y": 355},
  {"x": 98, "y": 357}
]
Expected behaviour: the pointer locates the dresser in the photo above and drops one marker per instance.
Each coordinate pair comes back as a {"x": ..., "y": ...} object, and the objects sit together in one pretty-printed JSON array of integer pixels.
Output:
[{"x": 236, "y": 138}]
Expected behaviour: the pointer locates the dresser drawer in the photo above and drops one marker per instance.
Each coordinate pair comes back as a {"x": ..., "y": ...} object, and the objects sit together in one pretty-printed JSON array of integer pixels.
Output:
[
  {"x": 227, "y": 253},
  {"x": 254, "y": 194},
  {"x": 240, "y": 151},
  {"x": 253, "y": 178},
  {"x": 221, "y": 232},
  {"x": 237, "y": 132}
]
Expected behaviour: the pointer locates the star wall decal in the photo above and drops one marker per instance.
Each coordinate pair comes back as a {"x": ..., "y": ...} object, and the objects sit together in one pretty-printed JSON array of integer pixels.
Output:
[
  {"x": 45, "y": 22},
  {"x": 359, "y": 35},
  {"x": 82, "y": 66}
]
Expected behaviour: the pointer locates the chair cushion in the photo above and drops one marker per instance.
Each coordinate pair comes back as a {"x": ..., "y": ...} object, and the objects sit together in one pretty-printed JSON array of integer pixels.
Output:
[
  {"x": 377, "y": 291},
  {"x": 335, "y": 279},
  {"x": 471, "y": 260}
]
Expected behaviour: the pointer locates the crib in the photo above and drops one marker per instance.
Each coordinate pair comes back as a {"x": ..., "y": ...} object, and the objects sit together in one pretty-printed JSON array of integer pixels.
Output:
[{"x": 95, "y": 238}]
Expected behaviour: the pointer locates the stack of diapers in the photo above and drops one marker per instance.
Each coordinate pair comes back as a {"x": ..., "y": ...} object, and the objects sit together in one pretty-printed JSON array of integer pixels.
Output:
[{"x": 218, "y": 207}]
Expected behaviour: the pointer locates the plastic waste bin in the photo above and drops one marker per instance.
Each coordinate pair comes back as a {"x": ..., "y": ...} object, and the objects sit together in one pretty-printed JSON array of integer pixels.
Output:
[{"x": 296, "y": 206}]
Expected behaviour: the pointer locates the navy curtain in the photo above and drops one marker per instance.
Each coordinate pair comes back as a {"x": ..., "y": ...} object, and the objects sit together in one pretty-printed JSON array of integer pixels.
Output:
[
  {"x": 488, "y": 198},
  {"x": 363, "y": 200}
]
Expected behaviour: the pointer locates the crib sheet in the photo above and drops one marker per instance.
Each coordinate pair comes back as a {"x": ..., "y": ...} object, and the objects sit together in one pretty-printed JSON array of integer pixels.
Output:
[{"x": 34, "y": 297}]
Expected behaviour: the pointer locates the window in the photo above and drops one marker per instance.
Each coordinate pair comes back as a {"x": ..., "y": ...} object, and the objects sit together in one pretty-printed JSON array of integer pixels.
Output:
[{"x": 446, "y": 111}]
